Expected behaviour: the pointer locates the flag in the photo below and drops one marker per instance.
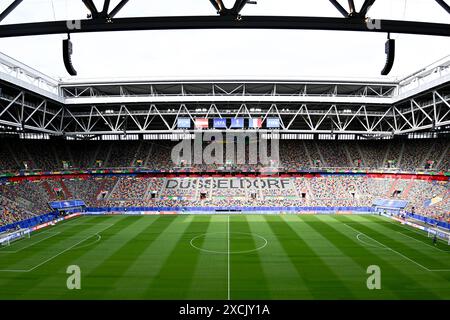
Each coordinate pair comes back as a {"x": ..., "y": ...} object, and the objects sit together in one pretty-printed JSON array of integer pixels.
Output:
[
  {"x": 201, "y": 123},
  {"x": 255, "y": 123}
]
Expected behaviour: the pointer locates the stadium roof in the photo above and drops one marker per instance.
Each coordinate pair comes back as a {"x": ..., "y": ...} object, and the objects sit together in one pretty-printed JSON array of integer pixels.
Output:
[{"x": 227, "y": 54}]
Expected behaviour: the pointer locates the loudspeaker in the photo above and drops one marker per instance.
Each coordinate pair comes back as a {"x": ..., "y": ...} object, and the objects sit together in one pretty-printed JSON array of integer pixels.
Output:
[
  {"x": 389, "y": 49},
  {"x": 67, "y": 53}
]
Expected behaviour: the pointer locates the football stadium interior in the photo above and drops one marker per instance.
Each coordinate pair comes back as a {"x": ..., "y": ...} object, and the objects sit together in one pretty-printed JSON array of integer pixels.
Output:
[{"x": 164, "y": 188}]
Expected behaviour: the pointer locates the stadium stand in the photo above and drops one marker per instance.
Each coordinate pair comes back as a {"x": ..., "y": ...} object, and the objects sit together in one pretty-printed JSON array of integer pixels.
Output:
[
  {"x": 23, "y": 198},
  {"x": 408, "y": 155},
  {"x": 128, "y": 191}
]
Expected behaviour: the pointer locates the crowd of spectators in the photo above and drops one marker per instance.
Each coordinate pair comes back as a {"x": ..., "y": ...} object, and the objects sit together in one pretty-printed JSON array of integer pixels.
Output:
[
  {"x": 11, "y": 212},
  {"x": 90, "y": 188},
  {"x": 118, "y": 158},
  {"x": 47, "y": 155},
  {"x": 334, "y": 154},
  {"x": 415, "y": 155},
  {"x": 130, "y": 188},
  {"x": 25, "y": 197},
  {"x": 293, "y": 155}
]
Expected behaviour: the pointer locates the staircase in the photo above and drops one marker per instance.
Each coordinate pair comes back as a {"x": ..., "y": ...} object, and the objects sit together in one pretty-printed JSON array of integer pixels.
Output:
[
  {"x": 108, "y": 155},
  {"x": 385, "y": 156},
  {"x": 33, "y": 164},
  {"x": 361, "y": 155},
  {"x": 324, "y": 164},
  {"x": 307, "y": 153},
  {"x": 72, "y": 162},
  {"x": 113, "y": 189},
  {"x": 402, "y": 151},
  {"x": 310, "y": 194},
  {"x": 91, "y": 164},
  {"x": 133, "y": 161},
  {"x": 150, "y": 150},
  {"x": 50, "y": 192},
  {"x": 407, "y": 189},
  {"x": 100, "y": 189},
  {"x": 444, "y": 154},
  {"x": 427, "y": 156},
  {"x": 349, "y": 157},
  {"x": 67, "y": 193},
  {"x": 55, "y": 154},
  {"x": 147, "y": 190},
  {"x": 392, "y": 189}
]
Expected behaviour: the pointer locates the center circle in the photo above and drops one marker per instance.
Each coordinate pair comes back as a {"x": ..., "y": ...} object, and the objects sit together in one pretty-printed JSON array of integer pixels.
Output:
[{"x": 228, "y": 243}]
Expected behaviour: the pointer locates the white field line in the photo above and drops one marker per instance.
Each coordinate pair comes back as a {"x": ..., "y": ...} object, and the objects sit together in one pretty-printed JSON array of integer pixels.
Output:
[
  {"x": 228, "y": 250},
  {"x": 427, "y": 244},
  {"x": 60, "y": 253},
  {"x": 31, "y": 244},
  {"x": 3, "y": 249},
  {"x": 422, "y": 233},
  {"x": 409, "y": 228},
  {"x": 400, "y": 254},
  {"x": 369, "y": 244}
]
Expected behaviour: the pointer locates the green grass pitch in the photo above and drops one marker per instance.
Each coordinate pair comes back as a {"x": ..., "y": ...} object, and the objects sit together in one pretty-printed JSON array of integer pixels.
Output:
[{"x": 226, "y": 257}]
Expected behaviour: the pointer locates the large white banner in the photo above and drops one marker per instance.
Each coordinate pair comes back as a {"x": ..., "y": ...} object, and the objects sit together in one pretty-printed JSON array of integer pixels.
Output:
[{"x": 229, "y": 183}]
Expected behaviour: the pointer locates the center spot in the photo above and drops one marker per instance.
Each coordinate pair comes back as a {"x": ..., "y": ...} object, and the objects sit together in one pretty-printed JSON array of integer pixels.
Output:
[{"x": 224, "y": 243}]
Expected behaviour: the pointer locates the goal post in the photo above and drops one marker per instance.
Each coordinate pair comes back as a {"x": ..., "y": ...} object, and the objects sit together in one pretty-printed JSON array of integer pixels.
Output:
[
  {"x": 439, "y": 234},
  {"x": 7, "y": 238}
]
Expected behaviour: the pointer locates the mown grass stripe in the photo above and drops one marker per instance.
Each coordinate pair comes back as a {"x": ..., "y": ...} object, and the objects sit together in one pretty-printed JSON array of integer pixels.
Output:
[
  {"x": 71, "y": 232},
  {"x": 104, "y": 277},
  {"x": 134, "y": 282},
  {"x": 210, "y": 276},
  {"x": 107, "y": 246},
  {"x": 393, "y": 278},
  {"x": 426, "y": 284},
  {"x": 174, "y": 279},
  {"x": 311, "y": 266},
  {"x": 418, "y": 235},
  {"x": 288, "y": 282},
  {"x": 52, "y": 274},
  {"x": 429, "y": 253},
  {"x": 427, "y": 258},
  {"x": 55, "y": 280},
  {"x": 247, "y": 277},
  {"x": 328, "y": 245}
]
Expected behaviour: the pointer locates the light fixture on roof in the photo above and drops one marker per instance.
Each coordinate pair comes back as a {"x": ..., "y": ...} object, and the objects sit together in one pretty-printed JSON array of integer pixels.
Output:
[
  {"x": 389, "y": 49},
  {"x": 67, "y": 53}
]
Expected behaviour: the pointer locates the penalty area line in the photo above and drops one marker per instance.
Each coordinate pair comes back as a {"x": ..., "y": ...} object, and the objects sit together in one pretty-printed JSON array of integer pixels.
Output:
[
  {"x": 427, "y": 244},
  {"x": 31, "y": 244},
  {"x": 400, "y": 254},
  {"x": 58, "y": 254}
]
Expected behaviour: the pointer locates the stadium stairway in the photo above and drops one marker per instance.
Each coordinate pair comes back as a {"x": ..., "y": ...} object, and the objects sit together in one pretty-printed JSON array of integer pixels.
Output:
[
  {"x": 66, "y": 191},
  {"x": 400, "y": 157},
  {"x": 307, "y": 153},
  {"x": 48, "y": 189},
  {"x": 322, "y": 159},
  {"x": 444, "y": 154},
  {"x": 392, "y": 189},
  {"x": 407, "y": 189}
]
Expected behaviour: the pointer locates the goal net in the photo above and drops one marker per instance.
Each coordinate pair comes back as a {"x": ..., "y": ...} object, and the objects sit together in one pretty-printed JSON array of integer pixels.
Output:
[
  {"x": 439, "y": 234},
  {"x": 7, "y": 238}
]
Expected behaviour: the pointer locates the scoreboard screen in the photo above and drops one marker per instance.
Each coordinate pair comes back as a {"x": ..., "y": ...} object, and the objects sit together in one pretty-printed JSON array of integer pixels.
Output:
[
  {"x": 220, "y": 123},
  {"x": 184, "y": 123},
  {"x": 67, "y": 204},
  {"x": 273, "y": 123},
  {"x": 237, "y": 123}
]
